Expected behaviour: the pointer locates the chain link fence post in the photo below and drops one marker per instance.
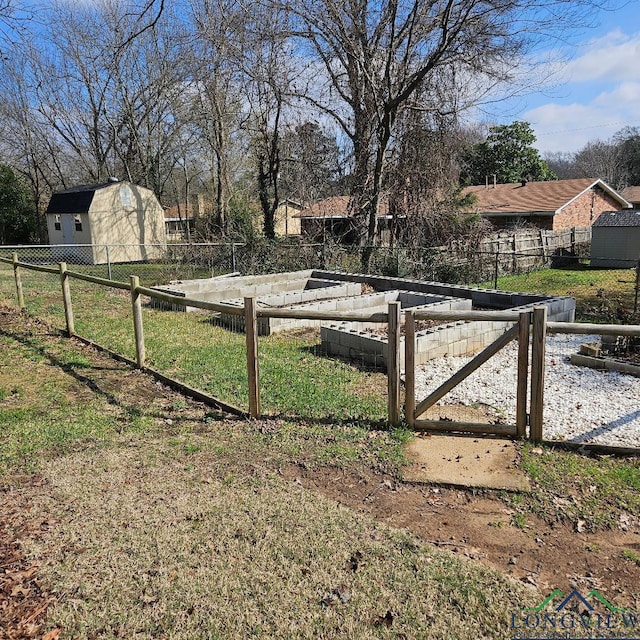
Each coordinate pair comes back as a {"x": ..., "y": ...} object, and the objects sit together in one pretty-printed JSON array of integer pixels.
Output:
[
  {"x": 18, "y": 279},
  {"x": 110, "y": 274}
]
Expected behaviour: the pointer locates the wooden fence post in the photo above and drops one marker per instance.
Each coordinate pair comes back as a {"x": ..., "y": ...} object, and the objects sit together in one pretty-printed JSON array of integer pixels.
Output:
[
  {"x": 410, "y": 368},
  {"x": 253, "y": 373},
  {"x": 523, "y": 373},
  {"x": 537, "y": 372},
  {"x": 18, "y": 279},
  {"x": 66, "y": 297},
  {"x": 393, "y": 364},
  {"x": 138, "y": 327},
  {"x": 635, "y": 299}
]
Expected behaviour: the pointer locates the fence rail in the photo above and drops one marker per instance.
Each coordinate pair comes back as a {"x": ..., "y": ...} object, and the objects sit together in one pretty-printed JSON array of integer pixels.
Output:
[{"x": 535, "y": 322}]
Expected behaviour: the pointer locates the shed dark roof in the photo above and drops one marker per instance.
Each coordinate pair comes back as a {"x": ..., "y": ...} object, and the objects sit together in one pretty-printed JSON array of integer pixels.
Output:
[
  {"x": 625, "y": 218},
  {"x": 75, "y": 200}
]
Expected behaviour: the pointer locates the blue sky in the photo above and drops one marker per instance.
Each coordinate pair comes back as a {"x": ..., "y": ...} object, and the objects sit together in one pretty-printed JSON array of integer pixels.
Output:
[
  {"x": 597, "y": 93},
  {"x": 593, "y": 96}
]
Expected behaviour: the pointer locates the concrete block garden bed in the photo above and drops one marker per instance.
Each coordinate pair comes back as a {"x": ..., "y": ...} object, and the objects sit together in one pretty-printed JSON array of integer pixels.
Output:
[{"x": 366, "y": 343}]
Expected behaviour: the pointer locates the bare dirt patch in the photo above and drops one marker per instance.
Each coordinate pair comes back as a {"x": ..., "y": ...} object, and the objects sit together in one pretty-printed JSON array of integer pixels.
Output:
[{"x": 479, "y": 525}]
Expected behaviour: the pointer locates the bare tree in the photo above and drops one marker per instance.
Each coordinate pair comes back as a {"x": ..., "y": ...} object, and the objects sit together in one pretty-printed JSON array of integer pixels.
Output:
[
  {"x": 217, "y": 103},
  {"x": 262, "y": 51},
  {"x": 146, "y": 108},
  {"x": 563, "y": 164},
  {"x": 27, "y": 141},
  {"x": 97, "y": 91},
  {"x": 602, "y": 159},
  {"x": 311, "y": 163},
  {"x": 628, "y": 140},
  {"x": 376, "y": 55}
]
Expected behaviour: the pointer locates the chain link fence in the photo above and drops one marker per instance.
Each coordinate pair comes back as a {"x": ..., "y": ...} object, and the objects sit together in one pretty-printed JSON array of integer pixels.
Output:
[{"x": 609, "y": 294}]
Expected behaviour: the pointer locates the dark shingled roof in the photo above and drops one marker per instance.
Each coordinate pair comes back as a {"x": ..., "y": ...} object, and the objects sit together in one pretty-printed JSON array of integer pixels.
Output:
[
  {"x": 625, "y": 218},
  {"x": 76, "y": 200}
]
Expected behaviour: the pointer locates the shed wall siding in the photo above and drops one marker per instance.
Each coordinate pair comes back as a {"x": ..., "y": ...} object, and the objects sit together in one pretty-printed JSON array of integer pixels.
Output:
[
  {"x": 615, "y": 247},
  {"x": 140, "y": 226},
  {"x": 285, "y": 223}
]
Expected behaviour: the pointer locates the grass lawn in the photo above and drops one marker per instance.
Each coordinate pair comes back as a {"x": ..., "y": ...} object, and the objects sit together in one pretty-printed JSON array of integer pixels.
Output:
[
  {"x": 164, "y": 519},
  {"x": 602, "y": 295},
  {"x": 167, "y": 519},
  {"x": 189, "y": 347}
]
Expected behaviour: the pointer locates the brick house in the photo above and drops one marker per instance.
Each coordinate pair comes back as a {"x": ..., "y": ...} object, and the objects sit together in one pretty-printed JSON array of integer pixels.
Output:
[{"x": 553, "y": 205}]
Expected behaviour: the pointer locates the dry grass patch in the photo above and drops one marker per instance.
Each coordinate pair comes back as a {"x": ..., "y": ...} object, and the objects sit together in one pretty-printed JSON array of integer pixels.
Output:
[{"x": 162, "y": 540}]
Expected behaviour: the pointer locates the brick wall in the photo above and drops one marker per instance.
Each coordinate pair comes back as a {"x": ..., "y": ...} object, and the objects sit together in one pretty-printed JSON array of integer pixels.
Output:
[{"x": 583, "y": 211}]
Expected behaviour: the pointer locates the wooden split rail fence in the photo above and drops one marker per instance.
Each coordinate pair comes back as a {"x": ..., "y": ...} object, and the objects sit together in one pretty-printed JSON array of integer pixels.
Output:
[{"x": 530, "y": 329}]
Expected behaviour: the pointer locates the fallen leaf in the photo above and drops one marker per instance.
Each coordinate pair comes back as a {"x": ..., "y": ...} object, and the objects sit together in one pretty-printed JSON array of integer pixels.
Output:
[
  {"x": 343, "y": 593},
  {"x": 52, "y": 635},
  {"x": 354, "y": 561},
  {"x": 386, "y": 620}
]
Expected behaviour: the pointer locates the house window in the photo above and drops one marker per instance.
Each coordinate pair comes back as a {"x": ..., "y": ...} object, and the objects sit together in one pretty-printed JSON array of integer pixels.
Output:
[
  {"x": 78, "y": 222},
  {"x": 56, "y": 224}
]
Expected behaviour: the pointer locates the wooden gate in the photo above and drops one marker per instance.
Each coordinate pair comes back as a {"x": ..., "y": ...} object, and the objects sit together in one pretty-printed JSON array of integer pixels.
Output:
[{"x": 520, "y": 332}]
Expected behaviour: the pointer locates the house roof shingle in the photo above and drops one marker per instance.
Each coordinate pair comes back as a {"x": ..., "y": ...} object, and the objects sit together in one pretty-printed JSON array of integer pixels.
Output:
[
  {"x": 337, "y": 207},
  {"x": 539, "y": 197},
  {"x": 626, "y": 218},
  {"x": 632, "y": 194},
  {"x": 182, "y": 212}
]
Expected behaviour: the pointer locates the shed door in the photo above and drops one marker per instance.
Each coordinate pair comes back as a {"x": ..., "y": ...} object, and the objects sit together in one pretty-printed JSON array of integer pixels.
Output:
[{"x": 67, "y": 229}]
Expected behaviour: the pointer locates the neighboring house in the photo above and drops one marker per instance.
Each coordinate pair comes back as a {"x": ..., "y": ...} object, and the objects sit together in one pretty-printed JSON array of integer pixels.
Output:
[
  {"x": 330, "y": 218},
  {"x": 179, "y": 222},
  {"x": 287, "y": 221},
  {"x": 557, "y": 204},
  {"x": 632, "y": 194},
  {"x": 615, "y": 239},
  {"x": 123, "y": 216}
]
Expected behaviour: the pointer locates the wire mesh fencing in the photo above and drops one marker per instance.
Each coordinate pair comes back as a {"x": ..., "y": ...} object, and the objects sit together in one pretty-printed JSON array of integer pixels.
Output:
[{"x": 609, "y": 286}]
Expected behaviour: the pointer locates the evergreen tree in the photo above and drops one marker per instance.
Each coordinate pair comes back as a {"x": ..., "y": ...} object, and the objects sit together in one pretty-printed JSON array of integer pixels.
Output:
[
  {"x": 17, "y": 213},
  {"x": 509, "y": 155}
]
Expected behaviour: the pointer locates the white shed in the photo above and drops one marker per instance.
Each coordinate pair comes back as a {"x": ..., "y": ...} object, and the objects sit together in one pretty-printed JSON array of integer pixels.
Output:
[{"x": 117, "y": 214}]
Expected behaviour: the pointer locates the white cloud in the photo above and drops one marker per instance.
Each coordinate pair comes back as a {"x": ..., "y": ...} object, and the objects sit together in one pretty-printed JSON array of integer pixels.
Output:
[
  {"x": 612, "y": 57},
  {"x": 568, "y": 127},
  {"x": 625, "y": 95},
  {"x": 599, "y": 95}
]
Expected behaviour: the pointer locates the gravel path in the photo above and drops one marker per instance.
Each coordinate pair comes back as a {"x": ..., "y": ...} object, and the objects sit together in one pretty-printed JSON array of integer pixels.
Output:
[{"x": 580, "y": 404}]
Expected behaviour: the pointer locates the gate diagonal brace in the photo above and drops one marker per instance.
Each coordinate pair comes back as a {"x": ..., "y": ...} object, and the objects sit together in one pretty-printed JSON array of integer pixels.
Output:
[{"x": 467, "y": 370}]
